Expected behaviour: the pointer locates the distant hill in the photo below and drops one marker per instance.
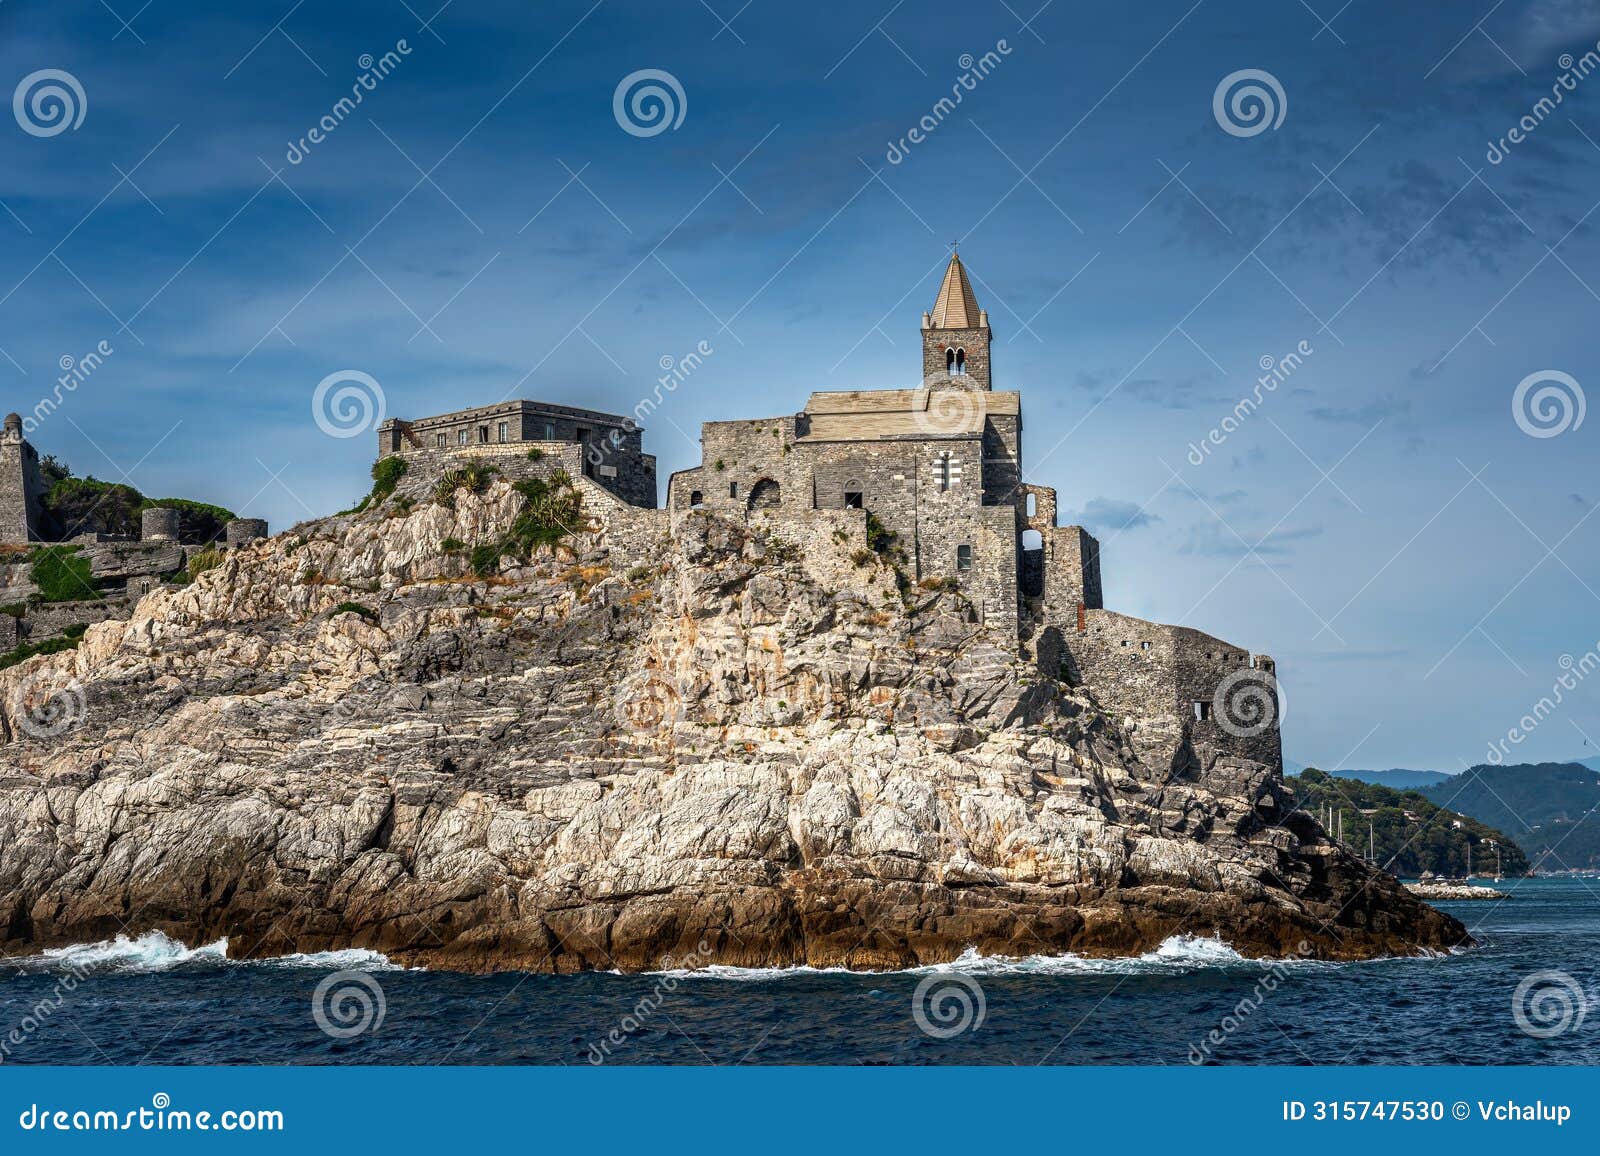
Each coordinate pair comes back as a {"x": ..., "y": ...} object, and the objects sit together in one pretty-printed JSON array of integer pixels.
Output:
[
  {"x": 1409, "y": 833},
  {"x": 1552, "y": 809},
  {"x": 1400, "y": 780}
]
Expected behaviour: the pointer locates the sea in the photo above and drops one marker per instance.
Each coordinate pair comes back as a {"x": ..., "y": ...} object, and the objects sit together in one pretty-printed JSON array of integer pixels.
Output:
[{"x": 1526, "y": 995}]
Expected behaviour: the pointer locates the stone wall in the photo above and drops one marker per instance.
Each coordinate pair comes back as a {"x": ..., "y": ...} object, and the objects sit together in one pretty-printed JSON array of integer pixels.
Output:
[
  {"x": 614, "y": 457},
  {"x": 1136, "y": 668},
  {"x": 975, "y": 342},
  {"x": 20, "y": 486},
  {"x": 630, "y": 476}
]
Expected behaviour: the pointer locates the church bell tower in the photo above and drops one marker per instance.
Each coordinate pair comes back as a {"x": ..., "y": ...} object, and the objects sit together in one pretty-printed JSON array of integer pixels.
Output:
[{"x": 955, "y": 336}]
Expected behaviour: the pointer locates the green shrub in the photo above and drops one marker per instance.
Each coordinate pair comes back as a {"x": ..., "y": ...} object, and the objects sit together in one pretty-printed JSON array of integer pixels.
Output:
[
  {"x": 14, "y": 609},
  {"x": 552, "y": 509},
  {"x": 880, "y": 539},
  {"x": 197, "y": 521},
  {"x": 475, "y": 476},
  {"x": 204, "y": 560},
  {"x": 62, "y": 574},
  {"x": 366, "y": 612},
  {"x": 536, "y": 454},
  {"x": 484, "y": 560},
  {"x": 66, "y": 640},
  {"x": 386, "y": 475},
  {"x": 452, "y": 545}
]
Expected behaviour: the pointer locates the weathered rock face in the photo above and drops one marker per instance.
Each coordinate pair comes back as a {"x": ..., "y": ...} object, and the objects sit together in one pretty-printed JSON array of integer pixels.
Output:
[{"x": 719, "y": 732}]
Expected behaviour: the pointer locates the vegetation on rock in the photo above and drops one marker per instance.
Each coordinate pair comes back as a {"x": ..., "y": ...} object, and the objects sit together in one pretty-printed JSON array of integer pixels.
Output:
[
  {"x": 1409, "y": 833},
  {"x": 62, "y": 574}
]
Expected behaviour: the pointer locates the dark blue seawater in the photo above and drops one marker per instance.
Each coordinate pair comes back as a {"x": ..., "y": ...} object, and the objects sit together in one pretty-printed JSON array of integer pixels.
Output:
[{"x": 155, "y": 1003}]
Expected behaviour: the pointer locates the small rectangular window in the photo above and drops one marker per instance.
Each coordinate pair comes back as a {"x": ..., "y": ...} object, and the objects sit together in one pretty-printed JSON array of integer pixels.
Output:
[
  {"x": 549, "y": 431},
  {"x": 733, "y": 489},
  {"x": 963, "y": 557},
  {"x": 1202, "y": 709},
  {"x": 504, "y": 430},
  {"x": 443, "y": 441},
  {"x": 461, "y": 436}
]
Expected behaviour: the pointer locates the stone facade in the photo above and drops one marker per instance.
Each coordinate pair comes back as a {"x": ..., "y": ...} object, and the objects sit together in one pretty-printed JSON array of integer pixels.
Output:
[
  {"x": 158, "y": 524},
  {"x": 938, "y": 472},
  {"x": 20, "y": 484},
  {"x": 242, "y": 530},
  {"x": 612, "y": 454}
]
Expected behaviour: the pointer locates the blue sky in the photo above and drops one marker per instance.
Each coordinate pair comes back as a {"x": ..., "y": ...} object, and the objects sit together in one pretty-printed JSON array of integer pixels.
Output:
[{"x": 482, "y": 227}]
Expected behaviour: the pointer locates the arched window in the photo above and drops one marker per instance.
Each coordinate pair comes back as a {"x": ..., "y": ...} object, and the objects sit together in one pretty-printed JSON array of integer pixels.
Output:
[
  {"x": 944, "y": 471},
  {"x": 765, "y": 495},
  {"x": 961, "y": 361},
  {"x": 1032, "y": 540},
  {"x": 854, "y": 497},
  {"x": 696, "y": 499},
  {"x": 949, "y": 360},
  {"x": 1033, "y": 504}
]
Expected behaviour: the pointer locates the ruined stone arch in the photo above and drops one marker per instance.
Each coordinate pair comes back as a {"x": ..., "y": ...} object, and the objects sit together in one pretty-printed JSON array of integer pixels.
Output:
[{"x": 766, "y": 494}]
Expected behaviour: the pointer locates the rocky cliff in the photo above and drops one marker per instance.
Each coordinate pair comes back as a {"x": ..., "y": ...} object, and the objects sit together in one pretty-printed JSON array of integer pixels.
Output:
[{"x": 639, "y": 738}]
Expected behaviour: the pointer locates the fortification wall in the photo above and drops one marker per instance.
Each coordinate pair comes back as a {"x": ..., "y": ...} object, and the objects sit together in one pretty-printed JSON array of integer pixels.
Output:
[
  {"x": 630, "y": 477},
  {"x": 1137, "y": 668},
  {"x": 20, "y": 487}
]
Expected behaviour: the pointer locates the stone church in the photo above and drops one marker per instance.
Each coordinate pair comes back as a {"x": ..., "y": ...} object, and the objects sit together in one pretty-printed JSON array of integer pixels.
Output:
[
  {"x": 939, "y": 466},
  {"x": 936, "y": 472}
]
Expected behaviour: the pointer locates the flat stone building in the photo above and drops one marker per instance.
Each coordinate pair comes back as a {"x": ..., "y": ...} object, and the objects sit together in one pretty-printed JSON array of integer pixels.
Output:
[{"x": 603, "y": 447}]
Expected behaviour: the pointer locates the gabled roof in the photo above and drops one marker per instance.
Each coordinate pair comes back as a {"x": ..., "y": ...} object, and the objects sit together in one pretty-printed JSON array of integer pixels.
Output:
[
  {"x": 878, "y": 414},
  {"x": 956, "y": 307}
]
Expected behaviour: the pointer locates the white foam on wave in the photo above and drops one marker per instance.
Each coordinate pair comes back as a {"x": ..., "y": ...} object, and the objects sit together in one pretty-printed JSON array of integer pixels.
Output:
[
  {"x": 347, "y": 959},
  {"x": 154, "y": 951},
  {"x": 1176, "y": 955}
]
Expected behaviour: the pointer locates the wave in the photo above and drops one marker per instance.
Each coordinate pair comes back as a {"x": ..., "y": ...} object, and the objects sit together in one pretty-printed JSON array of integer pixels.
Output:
[
  {"x": 1176, "y": 955},
  {"x": 155, "y": 952}
]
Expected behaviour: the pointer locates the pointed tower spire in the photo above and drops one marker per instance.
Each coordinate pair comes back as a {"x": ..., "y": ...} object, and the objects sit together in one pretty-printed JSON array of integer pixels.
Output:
[
  {"x": 957, "y": 306},
  {"x": 955, "y": 335}
]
